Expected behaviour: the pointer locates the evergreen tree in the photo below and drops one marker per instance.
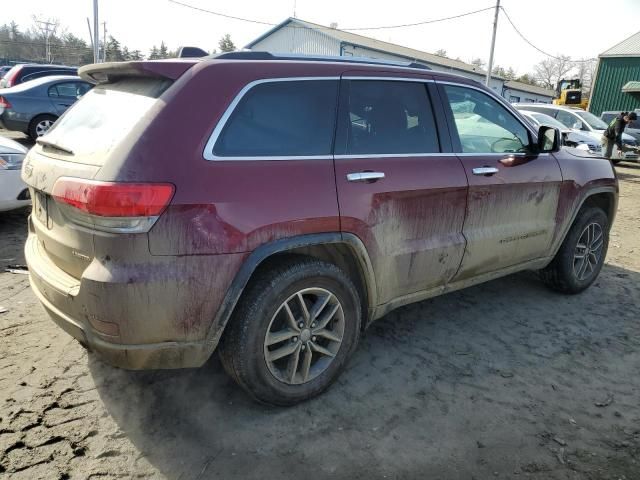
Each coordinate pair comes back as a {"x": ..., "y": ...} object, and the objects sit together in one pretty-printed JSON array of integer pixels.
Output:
[
  {"x": 226, "y": 44},
  {"x": 114, "y": 51},
  {"x": 153, "y": 53},
  {"x": 163, "y": 52}
]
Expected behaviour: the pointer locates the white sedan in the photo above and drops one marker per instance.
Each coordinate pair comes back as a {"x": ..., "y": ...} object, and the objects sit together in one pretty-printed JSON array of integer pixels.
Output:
[{"x": 13, "y": 191}]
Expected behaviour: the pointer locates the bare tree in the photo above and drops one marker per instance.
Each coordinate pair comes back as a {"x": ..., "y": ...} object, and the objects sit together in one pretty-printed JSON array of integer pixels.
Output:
[
  {"x": 549, "y": 71},
  {"x": 478, "y": 62},
  {"x": 441, "y": 52},
  {"x": 586, "y": 70}
]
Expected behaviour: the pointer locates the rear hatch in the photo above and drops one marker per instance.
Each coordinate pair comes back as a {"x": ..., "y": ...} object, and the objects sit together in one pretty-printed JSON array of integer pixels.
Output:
[{"x": 69, "y": 207}]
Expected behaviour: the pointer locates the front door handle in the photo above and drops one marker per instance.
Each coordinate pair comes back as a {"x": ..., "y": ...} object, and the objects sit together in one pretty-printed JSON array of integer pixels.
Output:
[
  {"x": 368, "y": 177},
  {"x": 486, "y": 171}
]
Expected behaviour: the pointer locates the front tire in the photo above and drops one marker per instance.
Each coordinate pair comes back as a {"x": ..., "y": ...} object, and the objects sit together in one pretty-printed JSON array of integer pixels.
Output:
[
  {"x": 293, "y": 332},
  {"x": 581, "y": 256}
]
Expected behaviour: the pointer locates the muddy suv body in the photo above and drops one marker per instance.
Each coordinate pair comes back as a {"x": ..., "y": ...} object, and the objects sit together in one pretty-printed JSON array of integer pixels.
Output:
[{"x": 277, "y": 207}]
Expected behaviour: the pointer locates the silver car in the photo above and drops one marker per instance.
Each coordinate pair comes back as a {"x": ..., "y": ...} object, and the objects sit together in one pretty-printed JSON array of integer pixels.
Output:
[
  {"x": 33, "y": 106},
  {"x": 571, "y": 138},
  {"x": 13, "y": 191},
  {"x": 578, "y": 119}
]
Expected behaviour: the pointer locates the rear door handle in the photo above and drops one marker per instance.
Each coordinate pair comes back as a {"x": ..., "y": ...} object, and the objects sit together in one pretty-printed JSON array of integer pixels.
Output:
[
  {"x": 365, "y": 176},
  {"x": 488, "y": 171}
]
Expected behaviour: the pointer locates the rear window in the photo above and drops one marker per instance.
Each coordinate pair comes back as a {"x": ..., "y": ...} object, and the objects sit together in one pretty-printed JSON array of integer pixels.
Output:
[
  {"x": 105, "y": 116},
  {"x": 292, "y": 118}
]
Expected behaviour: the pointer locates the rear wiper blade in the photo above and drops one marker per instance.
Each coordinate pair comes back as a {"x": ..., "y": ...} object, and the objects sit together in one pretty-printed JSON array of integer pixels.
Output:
[{"x": 47, "y": 143}]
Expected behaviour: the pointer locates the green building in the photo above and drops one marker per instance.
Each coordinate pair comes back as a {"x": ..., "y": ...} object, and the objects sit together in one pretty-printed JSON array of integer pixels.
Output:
[{"x": 617, "y": 82}]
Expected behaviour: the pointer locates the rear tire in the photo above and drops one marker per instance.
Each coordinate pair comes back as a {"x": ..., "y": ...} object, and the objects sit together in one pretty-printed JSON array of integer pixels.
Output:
[
  {"x": 581, "y": 256},
  {"x": 40, "y": 125},
  {"x": 282, "y": 353}
]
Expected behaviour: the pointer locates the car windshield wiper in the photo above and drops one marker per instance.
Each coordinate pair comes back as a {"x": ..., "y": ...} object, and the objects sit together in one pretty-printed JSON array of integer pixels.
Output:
[{"x": 47, "y": 143}]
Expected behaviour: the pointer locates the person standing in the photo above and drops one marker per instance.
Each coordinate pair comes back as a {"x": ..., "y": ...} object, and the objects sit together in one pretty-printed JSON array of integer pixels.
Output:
[{"x": 613, "y": 134}]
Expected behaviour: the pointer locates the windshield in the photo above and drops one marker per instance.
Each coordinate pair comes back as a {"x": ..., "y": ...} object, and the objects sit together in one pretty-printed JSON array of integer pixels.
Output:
[
  {"x": 547, "y": 120},
  {"x": 593, "y": 121}
]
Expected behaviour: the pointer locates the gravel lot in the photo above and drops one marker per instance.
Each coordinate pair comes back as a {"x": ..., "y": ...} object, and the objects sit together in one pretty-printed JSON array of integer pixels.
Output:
[{"x": 503, "y": 380}]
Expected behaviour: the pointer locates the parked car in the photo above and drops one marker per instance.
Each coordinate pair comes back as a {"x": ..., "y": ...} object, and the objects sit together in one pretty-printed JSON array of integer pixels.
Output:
[
  {"x": 570, "y": 138},
  {"x": 13, "y": 191},
  {"x": 586, "y": 122},
  {"x": 32, "y": 107},
  {"x": 3, "y": 70},
  {"x": 275, "y": 220},
  {"x": 30, "y": 71},
  {"x": 632, "y": 129}
]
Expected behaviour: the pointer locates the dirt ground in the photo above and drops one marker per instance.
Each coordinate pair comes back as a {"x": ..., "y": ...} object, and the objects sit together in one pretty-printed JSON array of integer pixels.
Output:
[{"x": 503, "y": 380}]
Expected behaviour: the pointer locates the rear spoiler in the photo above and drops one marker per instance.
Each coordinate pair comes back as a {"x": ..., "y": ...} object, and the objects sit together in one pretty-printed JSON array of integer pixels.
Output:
[{"x": 112, "y": 71}]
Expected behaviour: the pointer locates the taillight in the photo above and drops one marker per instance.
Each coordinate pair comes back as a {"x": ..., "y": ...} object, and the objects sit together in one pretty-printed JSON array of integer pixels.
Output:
[
  {"x": 11, "y": 75},
  {"x": 112, "y": 206},
  {"x": 4, "y": 103}
]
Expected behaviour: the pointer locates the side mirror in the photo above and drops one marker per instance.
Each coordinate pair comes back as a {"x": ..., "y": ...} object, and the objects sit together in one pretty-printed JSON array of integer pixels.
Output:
[{"x": 549, "y": 139}]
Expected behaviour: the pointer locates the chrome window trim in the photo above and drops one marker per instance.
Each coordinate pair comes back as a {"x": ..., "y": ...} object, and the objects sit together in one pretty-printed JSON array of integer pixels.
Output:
[
  {"x": 208, "y": 149},
  {"x": 442, "y": 154},
  {"x": 393, "y": 155},
  {"x": 213, "y": 138}
]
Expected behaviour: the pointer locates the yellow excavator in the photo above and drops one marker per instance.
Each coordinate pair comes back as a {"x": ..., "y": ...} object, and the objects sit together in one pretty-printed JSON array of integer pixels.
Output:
[{"x": 569, "y": 92}]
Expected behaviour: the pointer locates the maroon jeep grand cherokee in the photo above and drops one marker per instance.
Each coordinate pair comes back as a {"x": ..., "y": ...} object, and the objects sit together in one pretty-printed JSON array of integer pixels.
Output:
[{"x": 272, "y": 208}]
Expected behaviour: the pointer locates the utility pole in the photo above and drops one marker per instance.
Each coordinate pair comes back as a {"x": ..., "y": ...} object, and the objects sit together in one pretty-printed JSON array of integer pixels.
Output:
[
  {"x": 493, "y": 43},
  {"x": 96, "y": 33},
  {"x": 47, "y": 28},
  {"x": 104, "y": 41},
  {"x": 90, "y": 34}
]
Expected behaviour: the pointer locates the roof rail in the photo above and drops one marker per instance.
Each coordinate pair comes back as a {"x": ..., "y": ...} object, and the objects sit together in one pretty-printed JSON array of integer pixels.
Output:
[{"x": 258, "y": 55}]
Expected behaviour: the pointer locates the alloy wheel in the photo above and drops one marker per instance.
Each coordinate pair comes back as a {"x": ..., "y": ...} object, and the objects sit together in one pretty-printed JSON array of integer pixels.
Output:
[
  {"x": 43, "y": 126},
  {"x": 304, "y": 336},
  {"x": 588, "y": 251}
]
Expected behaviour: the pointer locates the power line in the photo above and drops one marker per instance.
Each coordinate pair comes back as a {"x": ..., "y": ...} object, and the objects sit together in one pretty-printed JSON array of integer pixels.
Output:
[
  {"x": 379, "y": 27},
  {"x": 425, "y": 22},
  {"x": 221, "y": 14},
  {"x": 537, "y": 48}
]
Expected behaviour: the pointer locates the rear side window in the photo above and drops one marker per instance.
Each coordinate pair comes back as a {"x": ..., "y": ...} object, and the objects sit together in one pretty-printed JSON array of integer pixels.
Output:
[
  {"x": 284, "y": 118},
  {"x": 390, "y": 117}
]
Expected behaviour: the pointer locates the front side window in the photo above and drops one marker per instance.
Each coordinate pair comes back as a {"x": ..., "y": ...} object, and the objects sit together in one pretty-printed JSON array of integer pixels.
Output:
[
  {"x": 390, "y": 117},
  {"x": 483, "y": 124},
  {"x": 286, "y": 118}
]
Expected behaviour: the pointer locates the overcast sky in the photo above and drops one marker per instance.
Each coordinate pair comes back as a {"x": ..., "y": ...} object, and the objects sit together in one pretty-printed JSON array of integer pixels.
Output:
[{"x": 580, "y": 29}]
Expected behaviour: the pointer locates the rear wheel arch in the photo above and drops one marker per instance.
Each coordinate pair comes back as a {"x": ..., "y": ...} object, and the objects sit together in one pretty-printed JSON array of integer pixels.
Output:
[{"x": 346, "y": 251}]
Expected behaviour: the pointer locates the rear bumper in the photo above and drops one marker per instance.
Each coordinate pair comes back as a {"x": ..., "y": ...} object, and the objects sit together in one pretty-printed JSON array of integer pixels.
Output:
[
  {"x": 130, "y": 356},
  {"x": 141, "y": 316}
]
